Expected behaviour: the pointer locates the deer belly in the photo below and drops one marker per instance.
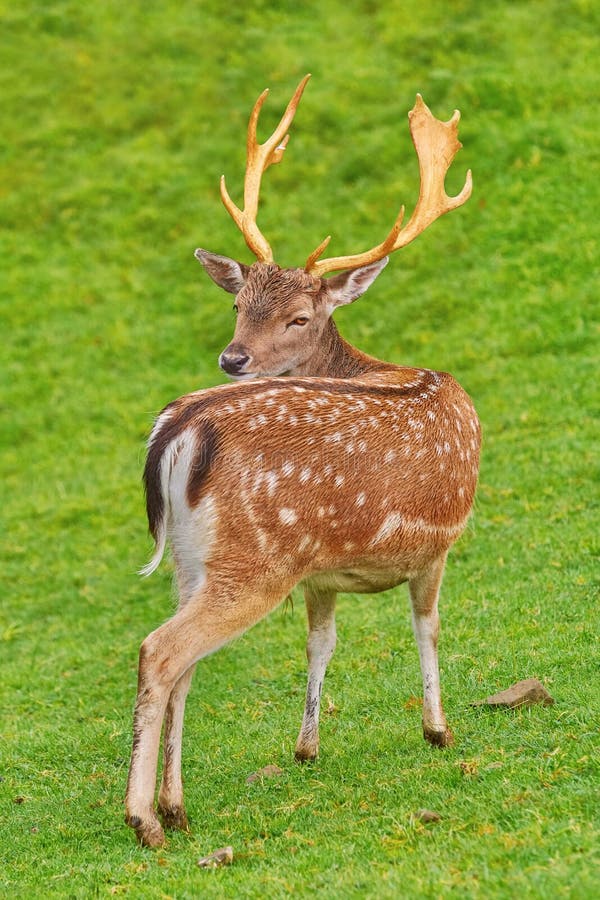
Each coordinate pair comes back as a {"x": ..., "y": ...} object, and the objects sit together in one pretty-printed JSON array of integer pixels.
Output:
[{"x": 357, "y": 580}]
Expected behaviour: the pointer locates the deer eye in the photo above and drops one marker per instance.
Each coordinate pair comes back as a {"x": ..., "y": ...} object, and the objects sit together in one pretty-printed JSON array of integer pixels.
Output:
[{"x": 301, "y": 320}]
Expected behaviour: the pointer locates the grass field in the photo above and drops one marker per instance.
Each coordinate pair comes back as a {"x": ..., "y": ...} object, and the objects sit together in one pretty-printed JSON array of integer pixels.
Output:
[{"x": 117, "y": 120}]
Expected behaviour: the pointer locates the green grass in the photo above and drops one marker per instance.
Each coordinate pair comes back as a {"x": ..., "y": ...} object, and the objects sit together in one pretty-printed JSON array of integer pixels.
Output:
[{"x": 117, "y": 120}]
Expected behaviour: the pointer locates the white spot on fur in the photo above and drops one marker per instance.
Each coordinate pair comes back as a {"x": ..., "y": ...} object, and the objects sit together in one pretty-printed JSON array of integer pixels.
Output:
[
  {"x": 339, "y": 480},
  {"x": 360, "y": 500},
  {"x": 304, "y": 543},
  {"x": 389, "y": 525},
  {"x": 272, "y": 480},
  {"x": 288, "y": 516},
  {"x": 304, "y": 475},
  {"x": 287, "y": 468}
]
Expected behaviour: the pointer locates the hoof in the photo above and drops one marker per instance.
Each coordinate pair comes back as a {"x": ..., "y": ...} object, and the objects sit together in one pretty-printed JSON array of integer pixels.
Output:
[
  {"x": 306, "y": 754},
  {"x": 174, "y": 817},
  {"x": 149, "y": 832},
  {"x": 438, "y": 737}
]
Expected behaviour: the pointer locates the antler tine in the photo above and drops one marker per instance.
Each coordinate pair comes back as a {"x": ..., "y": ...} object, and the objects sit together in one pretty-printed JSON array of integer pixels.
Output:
[
  {"x": 437, "y": 144},
  {"x": 258, "y": 159}
]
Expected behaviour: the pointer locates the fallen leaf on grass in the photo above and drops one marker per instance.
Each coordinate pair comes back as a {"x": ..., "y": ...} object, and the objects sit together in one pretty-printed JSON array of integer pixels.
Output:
[
  {"x": 425, "y": 816},
  {"x": 221, "y": 857},
  {"x": 266, "y": 772},
  {"x": 331, "y": 709},
  {"x": 413, "y": 703},
  {"x": 523, "y": 693},
  {"x": 469, "y": 766}
]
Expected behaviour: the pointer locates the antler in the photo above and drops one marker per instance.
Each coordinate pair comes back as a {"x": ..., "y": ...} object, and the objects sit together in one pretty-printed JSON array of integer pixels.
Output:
[
  {"x": 436, "y": 144},
  {"x": 259, "y": 158}
]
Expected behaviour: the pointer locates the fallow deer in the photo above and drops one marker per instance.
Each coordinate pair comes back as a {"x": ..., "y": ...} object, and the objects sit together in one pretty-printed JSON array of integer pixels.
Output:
[{"x": 350, "y": 474}]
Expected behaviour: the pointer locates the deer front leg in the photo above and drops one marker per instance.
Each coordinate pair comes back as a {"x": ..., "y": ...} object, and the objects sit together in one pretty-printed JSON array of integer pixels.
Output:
[
  {"x": 424, "y": 593},
  {"x": 320, "y": 607},
  {"x": 170, "y": 796}
]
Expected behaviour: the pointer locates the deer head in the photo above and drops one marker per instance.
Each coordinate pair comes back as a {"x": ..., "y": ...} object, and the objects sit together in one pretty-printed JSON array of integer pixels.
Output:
[{"x": 284, "y": 322}]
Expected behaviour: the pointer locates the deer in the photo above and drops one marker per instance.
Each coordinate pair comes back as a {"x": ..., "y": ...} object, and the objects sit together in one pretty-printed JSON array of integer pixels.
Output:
[{"x": 349, "y": 474}]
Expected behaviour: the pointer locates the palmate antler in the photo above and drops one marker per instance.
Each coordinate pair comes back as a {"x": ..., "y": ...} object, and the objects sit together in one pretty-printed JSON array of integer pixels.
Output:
[
  {"x": 436, "y": 144},
  {"x": 259, "y": 158}
]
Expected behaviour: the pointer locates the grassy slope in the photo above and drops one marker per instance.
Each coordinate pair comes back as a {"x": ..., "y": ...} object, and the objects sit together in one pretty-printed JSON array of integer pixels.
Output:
[{"x": 117, "y": 121}]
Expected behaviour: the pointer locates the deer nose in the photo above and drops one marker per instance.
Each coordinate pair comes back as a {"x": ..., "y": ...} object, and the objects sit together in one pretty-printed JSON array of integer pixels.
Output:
[{"x": 233, "y": 363}]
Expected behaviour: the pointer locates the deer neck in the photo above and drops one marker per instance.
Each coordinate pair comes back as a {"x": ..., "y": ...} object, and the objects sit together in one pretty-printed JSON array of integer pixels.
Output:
[{"x": 336, "y": 358}]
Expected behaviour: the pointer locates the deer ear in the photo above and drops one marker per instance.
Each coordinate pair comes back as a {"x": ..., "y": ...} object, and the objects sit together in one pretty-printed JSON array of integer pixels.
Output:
[
  {"x": 227, "y": 273},
  {"x": 348, "y": 286}
]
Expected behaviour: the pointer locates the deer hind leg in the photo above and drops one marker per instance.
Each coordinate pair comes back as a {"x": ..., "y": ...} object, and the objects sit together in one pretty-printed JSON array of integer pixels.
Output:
[
  {"x": 205, "y": 623},
  {"x": 170, "y": 796},
  {"x": 424, "y": 592},
  {"x": 320, "y": 607}
]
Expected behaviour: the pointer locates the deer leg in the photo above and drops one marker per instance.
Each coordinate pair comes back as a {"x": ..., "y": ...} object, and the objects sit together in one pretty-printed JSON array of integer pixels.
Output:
[
  {"x": 320, "y": 607},
  {"x": 424, "y": 592},
  {"x": 165, "y": 656},
  {"x": 206, "y": 622},
  {"x": 170, "y": 796}
]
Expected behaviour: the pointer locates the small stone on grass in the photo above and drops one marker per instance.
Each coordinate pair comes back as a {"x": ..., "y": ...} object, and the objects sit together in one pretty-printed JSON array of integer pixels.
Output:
[
  {"x": 221, "y": 857},
  {"x": 266, "y": 772},
  {"x": 426, "y": 816},
  {"x": 523, "y": 693}
]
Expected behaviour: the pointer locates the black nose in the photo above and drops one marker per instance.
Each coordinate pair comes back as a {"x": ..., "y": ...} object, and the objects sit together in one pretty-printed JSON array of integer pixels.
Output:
[{"x": 233, "y": 363}]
